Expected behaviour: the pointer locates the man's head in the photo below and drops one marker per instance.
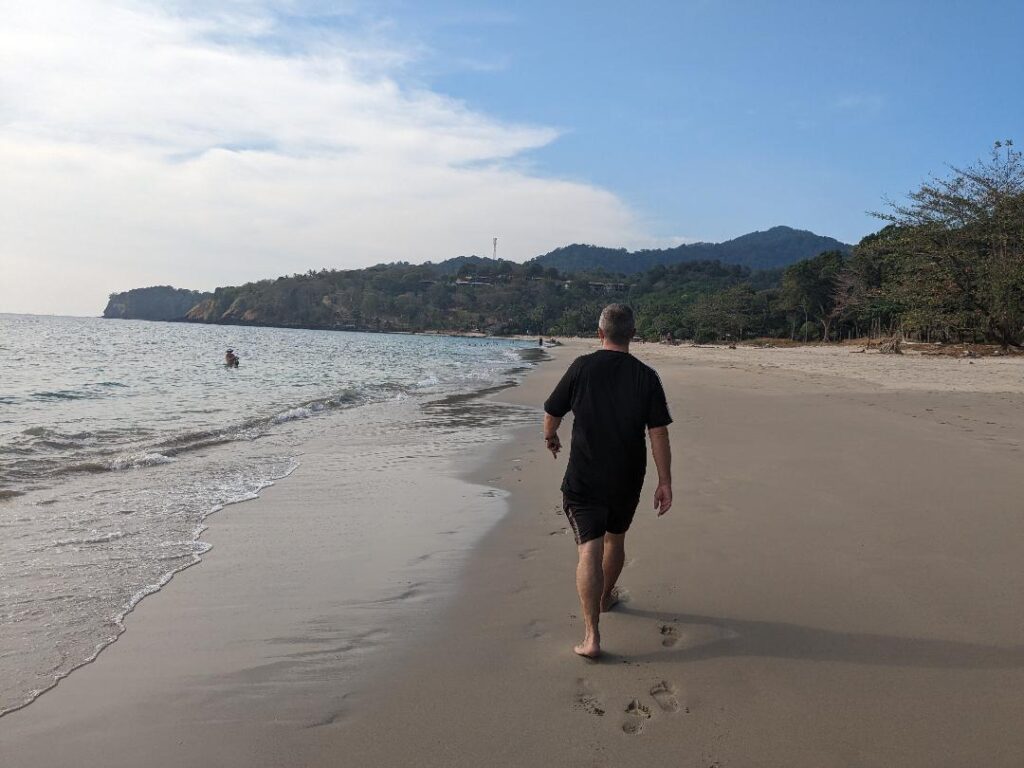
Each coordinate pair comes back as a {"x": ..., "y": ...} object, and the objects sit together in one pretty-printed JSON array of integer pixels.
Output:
[{"x": 617, "y": 324}]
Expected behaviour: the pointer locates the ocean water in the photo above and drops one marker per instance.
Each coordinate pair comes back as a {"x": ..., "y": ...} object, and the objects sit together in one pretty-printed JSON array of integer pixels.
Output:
[{"x": 119, "y": 438}]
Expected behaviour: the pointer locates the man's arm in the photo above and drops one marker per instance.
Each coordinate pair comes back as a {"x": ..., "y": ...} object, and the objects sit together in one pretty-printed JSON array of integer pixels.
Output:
[
  {"x": 551, "y": 424},
  {"x": 557, "y": 405},
  {"x": 663, "y": 461}
]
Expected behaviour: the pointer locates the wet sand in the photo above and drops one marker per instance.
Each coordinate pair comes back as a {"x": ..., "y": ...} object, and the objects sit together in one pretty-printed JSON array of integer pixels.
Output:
[
  {"x": 308, "y": 591},
  {"x": 837, "y": 584}
]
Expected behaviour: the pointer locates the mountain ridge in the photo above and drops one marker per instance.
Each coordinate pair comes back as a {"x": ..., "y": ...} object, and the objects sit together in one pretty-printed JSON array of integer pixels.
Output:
[{"x": 772, "y": 248}]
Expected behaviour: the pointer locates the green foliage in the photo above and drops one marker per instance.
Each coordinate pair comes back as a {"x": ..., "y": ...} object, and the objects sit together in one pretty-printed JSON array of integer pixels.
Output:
[
  {"x": 950, "y": 265},
  {"x": 705, "y": 299},
  {"x": 809, "y": 290}
]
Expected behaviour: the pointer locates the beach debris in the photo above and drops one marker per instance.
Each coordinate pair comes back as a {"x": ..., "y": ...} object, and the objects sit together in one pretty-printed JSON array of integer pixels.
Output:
[{"x": 892, "y": 345}]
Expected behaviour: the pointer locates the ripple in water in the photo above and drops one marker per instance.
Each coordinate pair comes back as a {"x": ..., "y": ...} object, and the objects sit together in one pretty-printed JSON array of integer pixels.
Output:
[{"x": 113, "y": 453}]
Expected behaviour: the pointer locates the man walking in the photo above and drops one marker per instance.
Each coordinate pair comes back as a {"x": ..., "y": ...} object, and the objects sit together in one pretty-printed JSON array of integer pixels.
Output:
[{"x": 614, "y": 398}]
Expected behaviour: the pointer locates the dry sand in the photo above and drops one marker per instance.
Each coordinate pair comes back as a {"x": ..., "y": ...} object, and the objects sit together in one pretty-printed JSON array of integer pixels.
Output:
[{"x": 837, "y": 585}]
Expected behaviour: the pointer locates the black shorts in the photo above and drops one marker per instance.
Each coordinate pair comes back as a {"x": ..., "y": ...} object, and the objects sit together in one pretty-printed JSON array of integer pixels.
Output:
[{"x": 593, "y": 519}]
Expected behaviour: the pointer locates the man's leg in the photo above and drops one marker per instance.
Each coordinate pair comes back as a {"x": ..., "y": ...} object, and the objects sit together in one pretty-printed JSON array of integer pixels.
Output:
[
  {"x": 614, "y": 557},
  {"x": 590, "y": 585}
]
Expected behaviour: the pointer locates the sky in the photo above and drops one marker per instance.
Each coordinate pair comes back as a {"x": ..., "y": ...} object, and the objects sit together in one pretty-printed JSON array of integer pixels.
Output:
[{"x": 199, "y": 144}]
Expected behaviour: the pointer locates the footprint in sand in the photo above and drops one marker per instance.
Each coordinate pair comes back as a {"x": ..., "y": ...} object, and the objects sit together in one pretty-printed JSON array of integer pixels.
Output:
[
  {"x": 527, "y": 554},
  {"x": 536, "y": 629},
  {"x": 637, "y": 716},
  {"x": 669, "y": 635},
  {"x": 586, "y": 698},
  {"x": 664, "y": 694},
  {"x": 695, "y": 635}
]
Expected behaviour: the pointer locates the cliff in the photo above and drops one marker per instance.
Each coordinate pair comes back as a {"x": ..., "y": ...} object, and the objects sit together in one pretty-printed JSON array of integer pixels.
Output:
[{"x": 159, "y": 302}]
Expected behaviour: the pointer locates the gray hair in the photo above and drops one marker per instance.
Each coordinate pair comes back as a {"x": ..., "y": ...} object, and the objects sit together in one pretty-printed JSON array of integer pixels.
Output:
[{"x": 618, "y": 323}]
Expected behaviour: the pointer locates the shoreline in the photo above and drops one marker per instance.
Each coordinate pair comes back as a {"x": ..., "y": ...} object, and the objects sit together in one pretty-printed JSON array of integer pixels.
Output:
[
  {"x": 203, "y": 607},
  {"x": 148, "y": 591},
  {"x": 805, "y": 603},
  {"x": 761, "y": 342}
]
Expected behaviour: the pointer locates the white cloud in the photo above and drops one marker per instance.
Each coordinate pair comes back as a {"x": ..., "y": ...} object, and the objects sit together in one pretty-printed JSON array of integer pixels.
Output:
[{"x": 141, "y": 146}]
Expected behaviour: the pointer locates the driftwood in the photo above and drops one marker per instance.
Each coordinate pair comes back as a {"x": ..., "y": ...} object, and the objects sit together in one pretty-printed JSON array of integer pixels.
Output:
[{"x": 892, "y": 345}]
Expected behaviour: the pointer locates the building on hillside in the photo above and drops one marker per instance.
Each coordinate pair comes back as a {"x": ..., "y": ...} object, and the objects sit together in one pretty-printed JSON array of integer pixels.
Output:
[{"x": 607, "y": 287}]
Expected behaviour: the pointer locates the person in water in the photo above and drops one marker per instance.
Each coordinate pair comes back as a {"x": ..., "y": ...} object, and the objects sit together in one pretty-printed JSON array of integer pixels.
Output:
[
  {"x": 614, "y": 399},
  {"x": 231, "y": 359}
]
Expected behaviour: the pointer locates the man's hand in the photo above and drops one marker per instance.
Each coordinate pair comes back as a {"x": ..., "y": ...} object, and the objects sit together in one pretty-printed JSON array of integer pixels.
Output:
[
  {"x": 663, "y": 459},
  {"x": 663, "y": 498},
  {"x": 554, "y": 444},
  {"x": 551, "y": 440}
]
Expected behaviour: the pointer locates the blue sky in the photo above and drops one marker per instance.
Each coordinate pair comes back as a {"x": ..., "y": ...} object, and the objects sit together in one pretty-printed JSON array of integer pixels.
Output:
[
  {"x": 718, "y": 117},
  {"x": 201, "y": 143}
]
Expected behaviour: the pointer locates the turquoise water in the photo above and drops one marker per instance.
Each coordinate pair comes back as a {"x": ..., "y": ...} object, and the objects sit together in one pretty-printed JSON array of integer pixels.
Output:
[{"x": 118, "y": 438}]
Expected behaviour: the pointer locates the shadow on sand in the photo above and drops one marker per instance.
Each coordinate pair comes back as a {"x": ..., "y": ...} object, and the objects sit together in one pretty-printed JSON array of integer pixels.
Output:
[{"x": 708, "y": 637}]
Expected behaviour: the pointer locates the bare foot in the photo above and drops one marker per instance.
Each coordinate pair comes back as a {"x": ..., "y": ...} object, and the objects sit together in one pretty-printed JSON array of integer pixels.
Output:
[
  {"x": 590, "y": 648},
  {"x": 610, "y": 600}
]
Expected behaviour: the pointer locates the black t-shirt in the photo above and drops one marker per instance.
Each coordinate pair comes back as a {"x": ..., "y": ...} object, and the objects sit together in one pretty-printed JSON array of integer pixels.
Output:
[{"x": 613, "y": 397}]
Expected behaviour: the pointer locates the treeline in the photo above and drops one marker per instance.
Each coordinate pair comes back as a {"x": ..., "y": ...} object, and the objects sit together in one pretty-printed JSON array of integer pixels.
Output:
[
  {"x": 947, "y": 267},
  {"x": 485, "y": 295}
]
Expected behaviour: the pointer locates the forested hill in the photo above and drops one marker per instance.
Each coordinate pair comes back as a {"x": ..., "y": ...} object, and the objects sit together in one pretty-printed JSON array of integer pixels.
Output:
[
  {"x": 933, "y": 273},
  {"x": 777, "y": 247},
  {"x": 489, "y": 295}
]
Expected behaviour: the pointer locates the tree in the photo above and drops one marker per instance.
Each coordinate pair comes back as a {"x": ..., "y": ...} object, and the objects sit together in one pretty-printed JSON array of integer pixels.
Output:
[
  {"x": 809, "y": 286},
  {"x": 961, "y": 243}
]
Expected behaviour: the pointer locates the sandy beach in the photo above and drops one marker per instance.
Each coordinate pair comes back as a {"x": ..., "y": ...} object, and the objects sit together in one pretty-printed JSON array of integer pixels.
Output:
[{"x": 837, "y": 585}]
